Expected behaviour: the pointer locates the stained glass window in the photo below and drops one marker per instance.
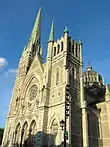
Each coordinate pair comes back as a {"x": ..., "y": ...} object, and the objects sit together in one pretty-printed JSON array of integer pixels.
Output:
[{"x": 33, "y": 92}]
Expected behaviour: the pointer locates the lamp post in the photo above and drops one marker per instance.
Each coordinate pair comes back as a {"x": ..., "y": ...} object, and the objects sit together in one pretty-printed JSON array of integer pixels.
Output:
[
  {"x": 63, "y": 124},
  {"x": 68, "y": 101}
]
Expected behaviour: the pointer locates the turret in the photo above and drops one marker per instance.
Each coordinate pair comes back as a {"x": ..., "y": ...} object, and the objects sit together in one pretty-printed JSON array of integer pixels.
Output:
[
  {"x": 107, "y": 93},
  {"x": 50, "y": 42},
  {"x": 66, "y": 30},
  {"x": 66, "y": 38},
  {"x": 80, "y": 53},
  {"x": 65, "y": 44}
]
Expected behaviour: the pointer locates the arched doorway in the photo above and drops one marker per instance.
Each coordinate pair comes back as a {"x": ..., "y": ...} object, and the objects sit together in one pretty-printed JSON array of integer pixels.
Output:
[
  {"x": 24, "y": 134},
  {"x": 17, "y": 134},
  {"x": 54, "y": 132},
  {"x": 8, "y": 136},
  {"x": 32, "y": 133}
]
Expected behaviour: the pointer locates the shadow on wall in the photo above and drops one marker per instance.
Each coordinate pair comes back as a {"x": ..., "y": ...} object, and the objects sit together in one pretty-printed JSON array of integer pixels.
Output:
[
  {"x": 35, "y": 141},
  {"x": 94, "y": 130}
]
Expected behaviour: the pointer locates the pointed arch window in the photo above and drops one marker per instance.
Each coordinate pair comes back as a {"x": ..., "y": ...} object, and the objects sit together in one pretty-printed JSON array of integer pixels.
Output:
[
  {"x": 58, "y": 49},
  {"x": 73, "y": 48},
  {"x": 8, "y": 135},
  {"x": 70, "y": 76},
  {"x": 69, "y": 46},
  {"x": 74, "y": 73},
  {"x": 24, "y": 133},
  {"x": 76, "y": 50},
  {"x": 54, "y": 51},
  {"x": 62, "y": 46},
  {"x": 75, "y": 79},
  {"x": 73, "y": 76},
  {"x": 54, "y": 131},
  {"x": 86, "y": 79},
  {"x": 17, "y": 133},
  {"x": 32, "y": 132},
  {"x": 57, "y": 76},
  {"x": 33, "y": 127},
  {"x": 17, "y": 103}
]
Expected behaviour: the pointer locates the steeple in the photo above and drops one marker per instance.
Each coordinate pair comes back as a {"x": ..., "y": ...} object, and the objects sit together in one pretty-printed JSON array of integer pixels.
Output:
[
  {"x": 37, "y": 26},
  {"x": 32, "y": 48},
  {"x": 51, "y": 37},
  {"x": 34, "y": 41}
]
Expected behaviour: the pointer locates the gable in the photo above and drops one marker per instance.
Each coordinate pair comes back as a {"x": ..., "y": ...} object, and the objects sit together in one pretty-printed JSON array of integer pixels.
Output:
[{"x": 36, "y": 64}]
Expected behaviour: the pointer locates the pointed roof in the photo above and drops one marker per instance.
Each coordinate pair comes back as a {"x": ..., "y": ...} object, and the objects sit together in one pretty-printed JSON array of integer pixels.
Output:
[
  {"x": 66, "y": 29},
  {"x": 51, "y": 37},
  {"x": 37, "y": 26}
]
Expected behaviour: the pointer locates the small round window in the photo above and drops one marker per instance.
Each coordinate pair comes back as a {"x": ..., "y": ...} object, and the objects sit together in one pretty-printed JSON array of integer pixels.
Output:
[{"x": 33, "y": 92}]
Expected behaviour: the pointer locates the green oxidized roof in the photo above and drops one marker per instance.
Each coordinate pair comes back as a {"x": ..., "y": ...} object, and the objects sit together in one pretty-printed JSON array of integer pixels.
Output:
[
  {"x": 35, "y": 33},
  {"x": 36, "y": 28}
]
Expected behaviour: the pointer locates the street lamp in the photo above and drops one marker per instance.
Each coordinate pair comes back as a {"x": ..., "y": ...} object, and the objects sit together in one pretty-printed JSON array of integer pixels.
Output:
[
  {"x": 67, "y": 105},
  {"x": 62, "y": 124}
]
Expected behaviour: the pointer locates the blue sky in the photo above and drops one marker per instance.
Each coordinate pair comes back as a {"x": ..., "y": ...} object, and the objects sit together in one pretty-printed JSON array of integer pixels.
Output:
[{"x": 87, "y": 20}]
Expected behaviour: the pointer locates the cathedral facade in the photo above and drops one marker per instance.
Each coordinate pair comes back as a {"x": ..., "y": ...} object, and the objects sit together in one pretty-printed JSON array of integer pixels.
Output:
[{"x": 38, "y": 100}]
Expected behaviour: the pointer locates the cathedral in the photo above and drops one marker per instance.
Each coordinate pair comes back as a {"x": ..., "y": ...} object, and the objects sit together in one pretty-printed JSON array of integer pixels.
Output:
[{"x": 37, "y": 115}]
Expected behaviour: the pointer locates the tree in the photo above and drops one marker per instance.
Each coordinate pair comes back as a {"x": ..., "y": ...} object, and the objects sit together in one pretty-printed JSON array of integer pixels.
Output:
[{"x": 1, "y": 135}]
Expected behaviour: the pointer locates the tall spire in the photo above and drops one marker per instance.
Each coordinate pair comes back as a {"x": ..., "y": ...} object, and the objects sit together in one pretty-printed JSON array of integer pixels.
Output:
[
  {"x": 51, "y": 37},
  {"x": 34, "y": 40},
  {"x": 37, "y": 26}
]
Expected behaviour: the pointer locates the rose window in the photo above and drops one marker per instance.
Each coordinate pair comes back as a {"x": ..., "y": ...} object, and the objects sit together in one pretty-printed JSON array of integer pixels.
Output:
[{"x": 33, "y": 92}]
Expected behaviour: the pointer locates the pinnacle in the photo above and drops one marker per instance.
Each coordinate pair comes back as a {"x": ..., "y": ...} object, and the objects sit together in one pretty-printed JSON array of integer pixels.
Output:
[
  {"x": 51, "y": 37},
  {"x": 66, "y": 29},
  {"x": 107, "y": 89}
]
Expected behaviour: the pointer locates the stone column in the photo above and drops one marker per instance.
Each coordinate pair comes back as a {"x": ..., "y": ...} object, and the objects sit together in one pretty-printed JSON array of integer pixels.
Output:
[
  {"x": 69, "y": 129},
  {"x": 85, "y": 128},
  {"x": 84, "y": 115}
]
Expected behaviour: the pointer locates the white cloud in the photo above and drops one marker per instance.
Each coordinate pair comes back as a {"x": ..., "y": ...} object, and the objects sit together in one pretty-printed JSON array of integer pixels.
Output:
[
  {"x": 3, "y": 62},
  {"x": 10, "y": 73},
  {"x": 12, "y": 70}
]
